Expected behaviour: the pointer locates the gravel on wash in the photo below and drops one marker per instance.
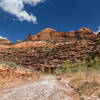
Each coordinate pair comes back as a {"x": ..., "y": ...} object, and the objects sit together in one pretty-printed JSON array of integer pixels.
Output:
[{"x": 47, "y": 88}]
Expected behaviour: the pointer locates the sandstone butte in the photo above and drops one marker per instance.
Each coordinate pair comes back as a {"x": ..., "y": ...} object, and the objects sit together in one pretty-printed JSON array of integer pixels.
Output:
[
  {"x": 51, "y": 48},
  {"x": 4, "y": 41},
  {"x": 46, "y": 34},
  {"x": 49, "y": 34}
]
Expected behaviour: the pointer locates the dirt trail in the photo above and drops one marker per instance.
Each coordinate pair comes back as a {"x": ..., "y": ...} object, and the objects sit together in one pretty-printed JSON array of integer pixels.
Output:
[{"x": 48, "y": 88}]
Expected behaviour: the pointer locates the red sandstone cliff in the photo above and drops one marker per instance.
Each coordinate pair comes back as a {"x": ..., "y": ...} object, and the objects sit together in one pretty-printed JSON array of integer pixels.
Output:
[
  {"x": 86, "y": 33},
  {"x": 50, "y": 33},
  {"x": 82, "y": 33},
  {"x": 4, "y": 41},
  {"x": 46, "y": 34}
]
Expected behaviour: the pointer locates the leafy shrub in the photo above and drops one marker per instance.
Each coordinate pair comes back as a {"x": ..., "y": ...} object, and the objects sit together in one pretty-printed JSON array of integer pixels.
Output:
[
  {"x": 90, "y": 63},
  {"x": 66, "y": 68},
  {"x": 95, "y": 63},
  {"x": 96, "y": 43},
  {"x": 11, "y": 64},
  {"x": 82, "y": 65}
]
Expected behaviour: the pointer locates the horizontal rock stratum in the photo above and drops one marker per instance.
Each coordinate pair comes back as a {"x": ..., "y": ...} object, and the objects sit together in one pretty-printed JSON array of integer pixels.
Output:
[
  {"x": 51, "y": 48},
  {"x": 49, "y": 33},
  {"x": 52, "y": 34},
  {"x": 4, "y": 41}
]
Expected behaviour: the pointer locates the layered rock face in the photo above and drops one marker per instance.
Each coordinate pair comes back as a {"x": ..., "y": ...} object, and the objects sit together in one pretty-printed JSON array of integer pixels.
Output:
[
  {"x": 61, "y": 46},
  {"x": 82, "y": 33},
  {"x": 86, "y": 33},
  {"x": 46, "y": 56},
  {"x": 72, "y": 34},
  {"x": 4, "y": 41},
  {"x": 50, "y": 34},
  {"x": 47, "y": 34}
]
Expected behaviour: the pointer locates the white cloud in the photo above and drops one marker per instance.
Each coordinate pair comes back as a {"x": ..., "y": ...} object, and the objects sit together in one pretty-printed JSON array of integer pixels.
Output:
[
  {"x": 16, "y": 7},
  {"x": 97, "y": 30},
  {"x": 2, "y": 37}
]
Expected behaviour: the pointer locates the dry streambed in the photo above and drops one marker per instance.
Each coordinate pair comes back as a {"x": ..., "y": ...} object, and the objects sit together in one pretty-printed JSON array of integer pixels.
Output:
[{"x": 48, "y": 88}]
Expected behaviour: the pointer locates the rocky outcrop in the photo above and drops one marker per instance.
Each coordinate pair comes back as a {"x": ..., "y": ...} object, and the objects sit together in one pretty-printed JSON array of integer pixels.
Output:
[
  {"x": 45, "y": 56},
  {"x": 51, "y": 34},
  {"x": 82, "y": 33},
  {"x": 59, "y": 35},
  {"x": 18, "y": 41},
  {"x": 72, "y": 34},
  {"x": 4, "y": 41},
  {"x": 47, "y": 34},
  {"x": 86, "y": 33},
  {"x": 30, "y": 37},
  {"x": 58, "y": 47},
  {"x": 85, "y": 30}
]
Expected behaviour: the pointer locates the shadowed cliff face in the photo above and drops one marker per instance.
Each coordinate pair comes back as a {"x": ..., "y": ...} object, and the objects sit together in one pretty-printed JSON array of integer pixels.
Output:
[{"x": 98, "y": 35}]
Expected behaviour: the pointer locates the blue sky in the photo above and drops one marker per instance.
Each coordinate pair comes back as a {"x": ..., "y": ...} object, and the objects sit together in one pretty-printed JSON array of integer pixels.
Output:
[{"x": 62, "y": 15}]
